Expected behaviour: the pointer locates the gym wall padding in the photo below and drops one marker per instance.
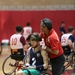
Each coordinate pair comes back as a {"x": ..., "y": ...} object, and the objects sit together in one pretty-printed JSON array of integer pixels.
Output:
[{"x": 10, "y": 19}]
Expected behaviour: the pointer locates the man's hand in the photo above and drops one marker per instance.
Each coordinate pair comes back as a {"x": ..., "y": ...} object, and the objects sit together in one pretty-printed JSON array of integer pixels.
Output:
[{"x": 43, "y": 47}]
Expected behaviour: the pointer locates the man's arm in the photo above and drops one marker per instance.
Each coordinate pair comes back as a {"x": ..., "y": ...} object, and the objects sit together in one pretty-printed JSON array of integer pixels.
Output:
[
  {"x": 22, "y": 40},
  {"x": 52, "y": 51},
  {"x": 71, "y": 42},
  {"x": 53, "y": 45}
]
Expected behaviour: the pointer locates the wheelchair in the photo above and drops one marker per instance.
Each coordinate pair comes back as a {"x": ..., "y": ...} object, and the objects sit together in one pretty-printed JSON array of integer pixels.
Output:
[{"x": 14, "y": 62}]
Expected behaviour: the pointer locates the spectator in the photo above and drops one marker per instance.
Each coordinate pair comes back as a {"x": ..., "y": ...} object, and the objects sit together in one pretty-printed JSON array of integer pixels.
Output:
[
  {"x": 62, "y": 28},
  {"x": 53, "y": 46},
  {"x": 27, "y": 31},
  {"x": 37, "y": 60}
]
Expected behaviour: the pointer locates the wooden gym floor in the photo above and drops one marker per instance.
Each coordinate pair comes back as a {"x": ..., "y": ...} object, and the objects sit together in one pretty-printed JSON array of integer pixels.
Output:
[{"x": 6, "y": 52}]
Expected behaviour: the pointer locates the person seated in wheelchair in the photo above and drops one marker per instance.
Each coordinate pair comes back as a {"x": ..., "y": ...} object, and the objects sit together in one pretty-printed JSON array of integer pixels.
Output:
[
  {"x": 67, "y": 41},
  {"x": 17, "y": 44},
  {"x": 37, "y": 60}
]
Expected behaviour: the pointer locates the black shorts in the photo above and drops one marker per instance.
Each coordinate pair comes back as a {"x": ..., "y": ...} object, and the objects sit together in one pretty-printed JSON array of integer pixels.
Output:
[
  {"x": 67, "y": 50},
  {"x": 17, "y": 54}
]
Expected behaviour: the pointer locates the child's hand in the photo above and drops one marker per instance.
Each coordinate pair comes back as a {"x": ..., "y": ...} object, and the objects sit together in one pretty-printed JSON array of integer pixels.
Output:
[
  {"x": 31, "y": 67},
  {"x": 24, "y": 67}
]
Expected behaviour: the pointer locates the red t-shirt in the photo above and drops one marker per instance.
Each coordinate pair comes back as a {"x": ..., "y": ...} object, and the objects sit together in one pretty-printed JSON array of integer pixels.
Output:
[{"x": 53, "y": 42}]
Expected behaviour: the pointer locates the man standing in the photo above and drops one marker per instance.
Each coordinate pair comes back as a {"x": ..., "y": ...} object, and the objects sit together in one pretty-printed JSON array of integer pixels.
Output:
[
  {"x": 62, "y": 29},
  {"x": 53, "y": 46}
]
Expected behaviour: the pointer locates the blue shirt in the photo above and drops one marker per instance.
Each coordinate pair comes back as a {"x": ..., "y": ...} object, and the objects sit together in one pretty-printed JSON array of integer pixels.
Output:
[
  {"x": 36, "y": 58},
  {"x": 71, "y": 37},
  {"x": 62, "y": 29}
]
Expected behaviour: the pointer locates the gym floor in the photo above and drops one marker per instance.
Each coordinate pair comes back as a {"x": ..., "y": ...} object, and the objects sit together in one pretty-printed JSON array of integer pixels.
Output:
[{"x": 6, "y": 52}]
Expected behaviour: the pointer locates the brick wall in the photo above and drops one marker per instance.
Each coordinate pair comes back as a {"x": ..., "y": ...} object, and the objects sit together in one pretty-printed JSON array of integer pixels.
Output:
[
  {"x": 37, "y": 4},
  {"x": 57, "y": 10}
]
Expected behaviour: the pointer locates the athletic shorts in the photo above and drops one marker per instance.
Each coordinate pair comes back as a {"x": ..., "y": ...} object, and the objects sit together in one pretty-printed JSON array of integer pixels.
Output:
[{"x": 32, "y": 71}]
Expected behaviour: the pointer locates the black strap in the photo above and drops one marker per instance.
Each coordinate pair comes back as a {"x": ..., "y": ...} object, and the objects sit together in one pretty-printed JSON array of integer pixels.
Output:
[{"x": 28, "y": 72}]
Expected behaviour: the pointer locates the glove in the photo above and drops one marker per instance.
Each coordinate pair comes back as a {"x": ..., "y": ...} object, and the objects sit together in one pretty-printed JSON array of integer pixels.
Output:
[
  {"x": 44, "y": 47},
  {"x": 31, "y": 67},
  {"x": 27, "y": 65}
]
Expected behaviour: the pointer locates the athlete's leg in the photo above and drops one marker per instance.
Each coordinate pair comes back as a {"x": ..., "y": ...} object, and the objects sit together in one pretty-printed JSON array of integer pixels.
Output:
[
  {"x": 34, "y": 72},
  {"x": 25, "y": 72}
]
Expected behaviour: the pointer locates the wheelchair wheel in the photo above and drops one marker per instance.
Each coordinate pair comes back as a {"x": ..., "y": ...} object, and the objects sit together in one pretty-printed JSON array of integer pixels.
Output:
[
  {"x": 69, "y": 62},
  {"x": 10, "y": 64},
  {"x": 45, "y": 73},
  {"x": 73, "y": 61},
  {"x": 25, "y": 59},
  {"x": 0, "y": 49}
]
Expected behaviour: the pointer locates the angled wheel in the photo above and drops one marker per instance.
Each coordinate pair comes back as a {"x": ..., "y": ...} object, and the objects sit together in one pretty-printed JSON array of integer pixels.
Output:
[
  {"x": 46, "y": 73},
  {"x": 73, "y": 61},
  {"x": 0, "y": 49},
  {"x": 25, "y": 59},
  {"x": 10, "y": 64},
  {"x": 70, "y": 61}
]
